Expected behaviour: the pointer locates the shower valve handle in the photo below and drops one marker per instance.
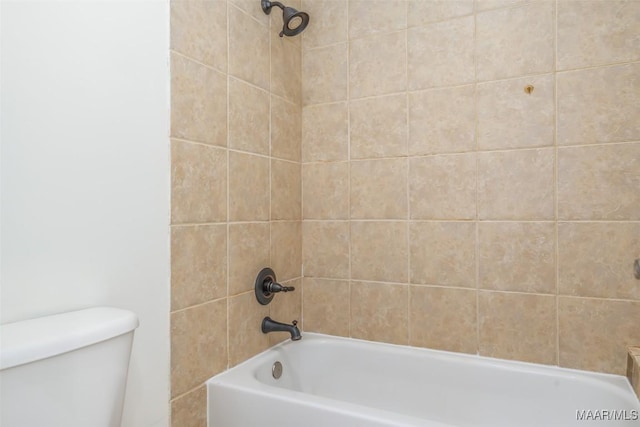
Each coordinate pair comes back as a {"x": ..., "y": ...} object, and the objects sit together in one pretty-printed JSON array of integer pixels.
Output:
[{"x": 273, "y": 287}]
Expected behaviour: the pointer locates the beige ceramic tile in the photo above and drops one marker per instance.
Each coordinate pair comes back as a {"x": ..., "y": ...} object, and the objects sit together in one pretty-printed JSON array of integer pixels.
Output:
[
  {"x": 443, "y": 187},
  {"x": 379, "y": 251},
  {"x": 325, "y": 134},
  {"x": 198, "y": 102},
  {"x": 599, "y": 105},
  {"x": 517, "y": 256},
  {"x": 517, "y": 326},
  {"x": 330, "y": 23},
  {"x": 516, "y": 184},
  {"x": 423, "y": 12},
  {"x": 379, "y": 312},
  {"x": 594, "y": 334},
  {"x": 286, "y": 68},
  {"x": 245, "y": 318},
  {"x": 368, "y": 17},
  {"x": 441, "y": 54},
  {"x": 287, "y": 307},
  {"x": 325, "y": 249},
  {"x": 198, "y": 345},
  {"x": 286, "y": 191},
  {"x": 198, "y": 183},
  {"x": 378, "y": 127},
  {"x": 596, "y": 259},
  {"x": 325, "y": 190},
  {"x": 377, "y": 65},
  {"x": 190, "y": 410},
  {"x": 599, "y": 182},
  {"x": 515, "y": 41},
  {"x": 199, "y": 31},
  {"x": 286, "y": 129},
  {"x": 495, "y": 4},
  {"x": 326, "y": 306},
  {"x": 249, "y": 252},
  {"x": 248, "y": 48},
  {"x": 509, "y": 117},
  {"x": 597, "y": 32},
  {"x": 442, "y": 121},
  {"x": 324, "y": 74},
  {"x": 443, "y": 319},
  {"x": 379, "y": 189},
  {"x": 198, "y": 264},
  {"x": 286, "y": 249},
  {"x": 248, "y": 117},
  {"x": 443, "y": 253},
  {"x": 248, "y": 187}
]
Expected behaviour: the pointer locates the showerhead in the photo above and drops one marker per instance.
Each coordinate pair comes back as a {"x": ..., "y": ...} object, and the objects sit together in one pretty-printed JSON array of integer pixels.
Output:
[{"x": 294, "y": 22}]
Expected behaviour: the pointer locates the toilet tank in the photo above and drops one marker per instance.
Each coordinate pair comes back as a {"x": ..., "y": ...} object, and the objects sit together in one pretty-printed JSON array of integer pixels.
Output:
[{"x": 66, "y": 370}]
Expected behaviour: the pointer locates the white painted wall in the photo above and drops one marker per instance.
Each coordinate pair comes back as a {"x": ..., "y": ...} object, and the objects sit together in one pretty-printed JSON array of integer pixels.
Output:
[{"x": 85, "y": 173}]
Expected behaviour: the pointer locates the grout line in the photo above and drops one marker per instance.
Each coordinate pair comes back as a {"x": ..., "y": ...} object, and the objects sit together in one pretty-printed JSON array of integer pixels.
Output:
[
  {"x": 238, "y": 8},
  {"x": 348, "y": 102},
  {"x": 556, "y": 186},
  {"x": 181, "y": 395},
  {"x": 462, "y": 221},
  {"x": 228, "y": 364},
  {"x": 197, "y": 61},
  {"x": 234, "y": 150},
  {"x": 477, "y": 175},
  {"x": 478, "y": 151},
  {"x": 408, "y": 173},
  {"x": 200, "y": 304},
  {"x": 595, "y": 67}
]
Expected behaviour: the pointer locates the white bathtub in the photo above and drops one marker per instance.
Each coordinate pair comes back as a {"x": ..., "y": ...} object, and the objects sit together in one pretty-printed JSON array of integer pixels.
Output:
[{"x": 337, "y": 382}]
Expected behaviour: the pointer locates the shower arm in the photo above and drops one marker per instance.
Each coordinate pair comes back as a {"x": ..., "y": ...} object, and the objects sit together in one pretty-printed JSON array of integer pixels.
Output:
[{"x": 267, "y": 5}]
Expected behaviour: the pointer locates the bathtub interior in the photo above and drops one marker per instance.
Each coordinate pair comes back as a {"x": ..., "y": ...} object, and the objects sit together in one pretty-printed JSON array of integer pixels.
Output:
[{"x": 428, "y": 385}]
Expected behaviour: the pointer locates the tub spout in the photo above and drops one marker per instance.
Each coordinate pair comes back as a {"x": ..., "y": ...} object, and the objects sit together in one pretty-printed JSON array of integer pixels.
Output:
[{"x": 269, "y": 325}]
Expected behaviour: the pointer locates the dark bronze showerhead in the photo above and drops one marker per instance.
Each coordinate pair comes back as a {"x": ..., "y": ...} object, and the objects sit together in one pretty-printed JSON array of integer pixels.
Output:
[{"x": 294, "y": 22}]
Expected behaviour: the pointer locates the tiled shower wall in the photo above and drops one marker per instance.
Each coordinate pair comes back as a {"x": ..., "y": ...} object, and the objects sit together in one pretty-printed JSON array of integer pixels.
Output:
[
  {"x": 235, "y": 171},
  {"x": 444, "y": 206}
]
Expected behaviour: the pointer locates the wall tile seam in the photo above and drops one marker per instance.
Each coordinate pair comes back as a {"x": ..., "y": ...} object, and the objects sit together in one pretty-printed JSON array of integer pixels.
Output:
[
  {"x": 184, "y": 394},
  {"x": 284, "y": 221},
  {"x": 602, "y": 299},
  {"x": 476, "y": 100},
  {"x": 228, "y": 198},
  {"x": 230, "y": 75},
  {"x": 197, "y": 224},
  {"x": 479, "y": 290},
  {"x": 196, "y": 61},
  {"x": 408, "y": 173},
  {"x": 436, "y": 88},
  {"x": 598, "y": 221},
  {"x": 198, "y": 305},
  {"x": 448, "y": 220},
  {"x": 562, "y": 147},
  {"x": 556, "y": 180},
  {"x": 598, "y": 66},
  {"x": 324, "y": 46},
  {"x": 349, "y": 235},
  {"x": 254, "y": 86},
  {"x": 200, "y": 143},
  {"x": 266, "y": 23},
  {"x": 452, "y": 153},
  {"x": 261, "y": 155}
]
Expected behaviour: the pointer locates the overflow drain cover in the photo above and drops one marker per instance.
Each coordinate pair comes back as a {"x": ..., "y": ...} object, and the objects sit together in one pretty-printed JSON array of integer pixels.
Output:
[{"x": 276, "y": 370}]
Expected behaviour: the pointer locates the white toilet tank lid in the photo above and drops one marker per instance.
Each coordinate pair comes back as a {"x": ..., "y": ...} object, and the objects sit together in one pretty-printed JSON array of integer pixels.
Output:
[{"x": 36, "y": 339}]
